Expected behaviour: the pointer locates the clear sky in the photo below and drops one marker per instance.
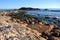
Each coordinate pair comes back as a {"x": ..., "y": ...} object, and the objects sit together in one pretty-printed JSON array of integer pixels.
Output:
[{"x": 9, "y": 4}]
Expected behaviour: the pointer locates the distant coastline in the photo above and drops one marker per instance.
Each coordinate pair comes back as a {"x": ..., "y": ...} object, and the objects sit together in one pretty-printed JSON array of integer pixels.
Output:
[{"x": 28, "y": 8}]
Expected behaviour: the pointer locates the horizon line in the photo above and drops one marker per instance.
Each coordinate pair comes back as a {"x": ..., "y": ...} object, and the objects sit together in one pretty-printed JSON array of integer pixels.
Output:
[{"x": 31, "y": 7}]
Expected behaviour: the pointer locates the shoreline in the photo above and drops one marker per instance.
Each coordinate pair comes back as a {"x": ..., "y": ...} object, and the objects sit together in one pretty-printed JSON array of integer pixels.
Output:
[{"x": 23, "y": 24}]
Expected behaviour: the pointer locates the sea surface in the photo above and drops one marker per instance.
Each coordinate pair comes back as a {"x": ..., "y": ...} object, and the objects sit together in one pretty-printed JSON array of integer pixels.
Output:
[{"x": 42, "y": 12}]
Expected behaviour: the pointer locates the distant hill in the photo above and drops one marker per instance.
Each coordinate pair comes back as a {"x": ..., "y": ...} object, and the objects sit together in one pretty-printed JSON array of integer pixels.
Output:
[{"x": 28, "y": 8}]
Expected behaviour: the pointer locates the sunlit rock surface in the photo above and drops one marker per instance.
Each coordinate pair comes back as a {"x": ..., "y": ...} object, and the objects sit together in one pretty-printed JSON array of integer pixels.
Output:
[
  {"x": 18, "y": 30},
  {"x": 11, "y": 30}
]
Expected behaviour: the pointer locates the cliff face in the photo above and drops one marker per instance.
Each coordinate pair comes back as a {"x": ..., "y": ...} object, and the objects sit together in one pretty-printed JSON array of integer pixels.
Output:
[{"x": 16, "y": 29}]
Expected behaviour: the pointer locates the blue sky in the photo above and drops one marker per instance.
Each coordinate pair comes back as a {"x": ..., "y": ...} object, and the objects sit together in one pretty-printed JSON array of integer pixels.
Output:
[{"x": 9, "y": 4}]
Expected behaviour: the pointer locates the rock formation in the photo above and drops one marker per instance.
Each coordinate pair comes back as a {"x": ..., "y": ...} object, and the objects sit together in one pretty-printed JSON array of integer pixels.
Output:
[{"x": 15, "y": 29}]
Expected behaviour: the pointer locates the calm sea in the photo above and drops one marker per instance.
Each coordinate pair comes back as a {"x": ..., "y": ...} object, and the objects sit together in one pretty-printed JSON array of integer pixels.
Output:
[{"x": 42, "y": 12}]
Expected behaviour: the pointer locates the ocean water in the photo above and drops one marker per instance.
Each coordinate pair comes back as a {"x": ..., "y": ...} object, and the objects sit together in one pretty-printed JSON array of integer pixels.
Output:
[{"x": 42, "y": 12}]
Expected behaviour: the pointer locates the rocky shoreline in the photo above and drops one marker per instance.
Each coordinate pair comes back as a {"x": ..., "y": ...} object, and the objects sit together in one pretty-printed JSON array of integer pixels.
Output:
[{"x": 18, "y": 25}]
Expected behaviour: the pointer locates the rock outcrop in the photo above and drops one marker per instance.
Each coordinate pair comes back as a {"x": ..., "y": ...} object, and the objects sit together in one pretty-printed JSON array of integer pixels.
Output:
[{"x": 28, "y": 29}]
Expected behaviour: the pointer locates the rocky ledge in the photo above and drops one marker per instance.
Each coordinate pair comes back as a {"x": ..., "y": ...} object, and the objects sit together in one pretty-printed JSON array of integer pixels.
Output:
[{"x": 18, "y": 28}]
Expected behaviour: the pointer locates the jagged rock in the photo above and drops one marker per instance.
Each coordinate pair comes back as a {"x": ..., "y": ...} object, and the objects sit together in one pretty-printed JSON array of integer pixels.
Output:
[
  {"x": 55, "y": 32},
  {"x": 29, "y": 29},
  {"x": 18, "y": 33},
  {"x": 42, "y": 38},
  {"x": 56, "y": 38}
]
